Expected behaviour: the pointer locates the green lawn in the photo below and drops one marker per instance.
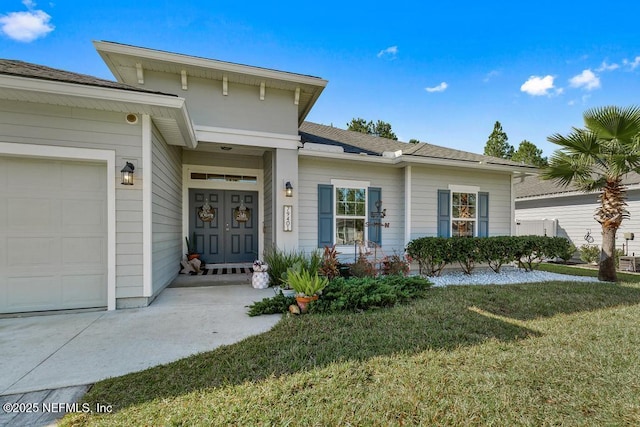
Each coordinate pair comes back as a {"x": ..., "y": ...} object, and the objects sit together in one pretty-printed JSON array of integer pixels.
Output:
[{"x": 537, "y": 354}]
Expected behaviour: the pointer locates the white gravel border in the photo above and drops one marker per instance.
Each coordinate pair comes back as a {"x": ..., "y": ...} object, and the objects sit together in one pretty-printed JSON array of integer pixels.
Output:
[{"x": 507, "y": 276}]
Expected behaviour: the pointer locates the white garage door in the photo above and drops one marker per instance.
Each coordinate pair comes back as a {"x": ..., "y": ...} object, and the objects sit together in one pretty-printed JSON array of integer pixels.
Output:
[{"x": 53, "y": 235}]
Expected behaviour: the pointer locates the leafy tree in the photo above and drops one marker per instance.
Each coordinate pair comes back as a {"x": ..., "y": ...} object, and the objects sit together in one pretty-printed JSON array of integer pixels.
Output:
[
  {"x": 359, "y": 125},
  {"x": 528, "y": 153},
  {"x": 414, "y": 141},
  {"x": 378, "y": 128},
  {"x": 596, "y": 158},
  {"x": 497, "y": 145}
]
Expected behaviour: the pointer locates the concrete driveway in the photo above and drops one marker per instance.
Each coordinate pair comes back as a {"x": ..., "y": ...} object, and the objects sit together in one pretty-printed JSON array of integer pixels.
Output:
[{"x": 56, "y": 351}]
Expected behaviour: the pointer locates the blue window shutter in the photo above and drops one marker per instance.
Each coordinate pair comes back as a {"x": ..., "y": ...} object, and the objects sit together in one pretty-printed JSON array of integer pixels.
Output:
[
  {"x": 325, "y": 215},
  {"x": 483, "y": 214},
  {"x": 375, "y": 232},
  {"x": 444, "y": 226}
]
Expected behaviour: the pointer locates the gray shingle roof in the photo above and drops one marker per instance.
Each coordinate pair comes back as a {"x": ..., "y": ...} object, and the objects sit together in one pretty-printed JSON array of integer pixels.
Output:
[
  {"x": 534, "y": 186},
  {"x": 356, "y": 142},
  {"x": 25, "y": 69}
]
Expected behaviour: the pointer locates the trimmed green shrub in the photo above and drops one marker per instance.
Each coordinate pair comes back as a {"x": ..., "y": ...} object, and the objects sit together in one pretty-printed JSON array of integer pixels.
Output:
[
  {"x": 366, "y": 293},
  {"x": 465, "y": 250},
  {"x": 274, "y": 305},
  {"x": 496, "y": 251},
  {"x": 590, "y": 254},
  {"x": 431, "y": 253},
  {"x": 352, "y": 294}
]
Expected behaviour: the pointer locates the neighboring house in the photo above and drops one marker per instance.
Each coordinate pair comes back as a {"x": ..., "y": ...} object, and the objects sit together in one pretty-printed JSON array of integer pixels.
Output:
[
  {"x": 215, "y": 146},
  {"x": 572, "y": 212}
]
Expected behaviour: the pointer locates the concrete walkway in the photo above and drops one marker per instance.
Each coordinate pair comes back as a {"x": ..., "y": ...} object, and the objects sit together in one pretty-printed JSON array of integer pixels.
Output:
[{"x": 41, "y": 353}]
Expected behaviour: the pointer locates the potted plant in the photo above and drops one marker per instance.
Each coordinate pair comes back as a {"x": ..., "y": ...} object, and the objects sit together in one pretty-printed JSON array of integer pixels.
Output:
[
  {"x": 306, "y": 286},
  {"x": 192, "y": 251}
]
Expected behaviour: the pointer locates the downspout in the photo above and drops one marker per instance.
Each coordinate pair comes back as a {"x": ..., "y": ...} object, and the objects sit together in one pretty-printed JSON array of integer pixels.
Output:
[{"x": 407, "y": 205}]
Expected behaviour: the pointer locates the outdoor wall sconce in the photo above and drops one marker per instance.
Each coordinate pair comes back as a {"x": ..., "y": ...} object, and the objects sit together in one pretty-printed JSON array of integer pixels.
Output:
[
  {"x": 288, "y": 189},
  {"x": 127, "y": 174}
]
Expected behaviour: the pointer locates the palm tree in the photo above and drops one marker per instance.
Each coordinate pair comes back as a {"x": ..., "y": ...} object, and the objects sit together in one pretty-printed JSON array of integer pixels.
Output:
[{"x": 597, "y": 158}]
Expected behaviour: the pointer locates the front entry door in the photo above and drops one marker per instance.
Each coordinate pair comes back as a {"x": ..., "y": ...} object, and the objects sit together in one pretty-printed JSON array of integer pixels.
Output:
[{"x": 231, "y": 235}]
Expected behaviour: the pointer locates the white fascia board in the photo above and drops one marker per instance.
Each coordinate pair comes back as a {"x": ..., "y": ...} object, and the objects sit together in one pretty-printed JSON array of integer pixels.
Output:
[
  {"x": 105, "y": 48},
  {"x": 406, "y": 160},
  {"x": 93, "y": 92},
  {"x": 246, "y": 137},
  {"x": 346, "y": 156}
]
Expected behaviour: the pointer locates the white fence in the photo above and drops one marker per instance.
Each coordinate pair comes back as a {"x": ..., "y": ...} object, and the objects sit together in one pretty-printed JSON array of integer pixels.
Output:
[{"x": 542, "y": 227}]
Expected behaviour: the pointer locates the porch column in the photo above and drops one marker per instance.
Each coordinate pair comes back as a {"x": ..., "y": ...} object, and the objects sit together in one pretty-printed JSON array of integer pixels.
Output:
[{"x": 285, "y": 170}]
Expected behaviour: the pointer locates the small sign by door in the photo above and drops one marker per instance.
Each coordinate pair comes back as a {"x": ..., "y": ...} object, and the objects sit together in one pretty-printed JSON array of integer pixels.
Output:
[{"x": 288, "y": 218}]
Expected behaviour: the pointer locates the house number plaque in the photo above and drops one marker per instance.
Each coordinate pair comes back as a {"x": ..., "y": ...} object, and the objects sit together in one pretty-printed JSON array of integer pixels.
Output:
[{"x": 288, "y": 218}]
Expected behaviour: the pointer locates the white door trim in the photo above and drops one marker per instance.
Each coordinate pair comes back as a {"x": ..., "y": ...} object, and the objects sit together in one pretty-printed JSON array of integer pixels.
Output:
[
  {"x": 188, "y": 183},
  {"x": 70, "y": 153}
]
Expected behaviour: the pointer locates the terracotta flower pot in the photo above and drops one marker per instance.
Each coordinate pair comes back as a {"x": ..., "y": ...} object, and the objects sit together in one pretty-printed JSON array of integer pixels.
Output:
[
  {"x": 303, "y": 301},
  {"x": 192, "y": 256}
]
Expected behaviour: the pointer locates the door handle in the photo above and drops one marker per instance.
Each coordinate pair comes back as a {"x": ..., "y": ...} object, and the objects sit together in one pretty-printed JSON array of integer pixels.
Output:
[{"x": 226, "y": 227}]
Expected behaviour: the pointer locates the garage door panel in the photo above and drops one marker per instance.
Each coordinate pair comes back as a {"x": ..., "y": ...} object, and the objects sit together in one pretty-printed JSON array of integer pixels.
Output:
[
  {"x": 24, "y": 174},
  {"x": 36, "y": 213},
  {"x": 84, "y": 290},
  {"x": 83, "y": 215},
  {"x": 53, "y": 235},
  {"x": 33, "y": 252},
  {"x": 85, "y": 253},
  {"x": 31, "y": 293}
]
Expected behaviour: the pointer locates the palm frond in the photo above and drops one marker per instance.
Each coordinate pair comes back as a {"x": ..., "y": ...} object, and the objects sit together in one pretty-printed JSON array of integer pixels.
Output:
[{"x": 617, "y": 125}]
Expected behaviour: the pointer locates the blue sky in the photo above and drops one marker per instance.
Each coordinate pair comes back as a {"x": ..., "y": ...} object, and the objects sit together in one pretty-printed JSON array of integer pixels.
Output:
[{"x": 440, "y": 72}]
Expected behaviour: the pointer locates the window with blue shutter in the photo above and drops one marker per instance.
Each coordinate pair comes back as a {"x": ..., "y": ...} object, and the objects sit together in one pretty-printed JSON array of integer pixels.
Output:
[
  {"x": 444, "y": 226},
  {"x": 325, "y": 215},
  {"x": 375, "y": 229},
  {"x": 483, "y": 214}
]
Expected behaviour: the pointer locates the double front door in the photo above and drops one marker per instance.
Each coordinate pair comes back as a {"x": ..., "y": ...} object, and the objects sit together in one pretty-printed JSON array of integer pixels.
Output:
[{"x": 225, "y": 225}]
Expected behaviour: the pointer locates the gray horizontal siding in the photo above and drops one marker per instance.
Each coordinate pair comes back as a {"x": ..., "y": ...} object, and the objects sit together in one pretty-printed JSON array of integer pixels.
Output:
[
  {"x": 575, "y": 215},
  {"x": 427, "y": 180},
  {"x": 29, "y": 123},
  {"x": 314, "y": 172},
  {"x": 166, "y": 202}
]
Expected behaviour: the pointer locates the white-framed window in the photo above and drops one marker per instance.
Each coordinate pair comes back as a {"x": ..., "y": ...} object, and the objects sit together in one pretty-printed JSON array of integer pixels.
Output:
[
  {"x": 464, "y": 207},
  {"x": 464, "y": 211},
  {"x": 351, "y": 215}
]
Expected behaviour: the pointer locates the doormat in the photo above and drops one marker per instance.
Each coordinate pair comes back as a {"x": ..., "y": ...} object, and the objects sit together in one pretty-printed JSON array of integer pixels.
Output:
[{"x": 225, "y": 270}]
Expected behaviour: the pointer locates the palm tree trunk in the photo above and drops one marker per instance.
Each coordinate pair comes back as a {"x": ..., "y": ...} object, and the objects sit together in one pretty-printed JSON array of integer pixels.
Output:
[{"x": 607, "y": 270}]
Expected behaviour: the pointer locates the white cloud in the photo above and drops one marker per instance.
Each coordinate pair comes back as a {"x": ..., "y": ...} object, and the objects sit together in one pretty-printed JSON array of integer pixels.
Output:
[
  {"x": 539, "y": 86},
  {"x": 607, "y": 67},
  {"x": 26, "y": 26},
  {"x": 632, "y": 64},
  {"x": 586, "y": 80},
  {"x": 389, "y": 52},
  {"x": 490, "y": 75},
  {"x": 440, "y": 88}
]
